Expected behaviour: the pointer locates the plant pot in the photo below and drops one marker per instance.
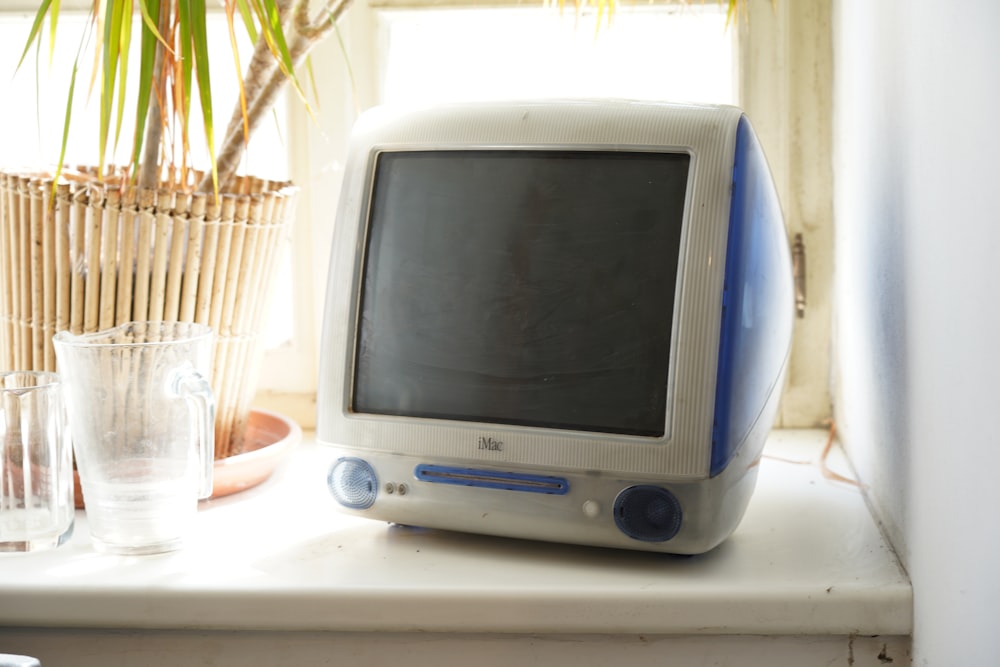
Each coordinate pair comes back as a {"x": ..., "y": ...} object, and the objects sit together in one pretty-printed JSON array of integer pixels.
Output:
[{"x": 90, "y": 254}]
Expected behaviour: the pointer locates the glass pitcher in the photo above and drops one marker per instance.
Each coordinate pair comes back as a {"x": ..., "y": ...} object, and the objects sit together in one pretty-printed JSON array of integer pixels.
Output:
[{"x": 141, "y": 415}]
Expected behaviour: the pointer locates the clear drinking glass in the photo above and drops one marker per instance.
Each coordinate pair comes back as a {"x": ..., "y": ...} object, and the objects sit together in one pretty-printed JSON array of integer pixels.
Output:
[
  {"x": 36, "y": 463},
  {"x": 142, "y": 415}
]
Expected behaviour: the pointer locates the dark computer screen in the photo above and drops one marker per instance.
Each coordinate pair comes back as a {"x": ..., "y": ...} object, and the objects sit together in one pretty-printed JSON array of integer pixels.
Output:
[{"x": 531, "y": 287}]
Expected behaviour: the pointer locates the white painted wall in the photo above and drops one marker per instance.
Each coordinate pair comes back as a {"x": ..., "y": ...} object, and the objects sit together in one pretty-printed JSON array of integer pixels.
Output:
[{"x": 917, "y": 334}]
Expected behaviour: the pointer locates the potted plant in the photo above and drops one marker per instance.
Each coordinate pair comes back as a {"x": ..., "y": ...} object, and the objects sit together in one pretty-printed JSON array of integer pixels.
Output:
[{"x": 86, "y": 248}]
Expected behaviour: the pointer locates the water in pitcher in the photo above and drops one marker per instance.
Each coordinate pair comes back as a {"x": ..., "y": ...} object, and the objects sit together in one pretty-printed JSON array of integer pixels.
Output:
[{"x": 151, "y": 513}]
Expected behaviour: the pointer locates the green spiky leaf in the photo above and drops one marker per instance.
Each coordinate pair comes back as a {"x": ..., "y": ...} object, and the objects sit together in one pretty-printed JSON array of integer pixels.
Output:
[
  {"x": 124, "y": 43},
  {"x": 36, "y": 28},
  {"x": 148, "y": 39},
  {"x": 109, "y": 73},
  {"x": 247, "y": 16},
  {"x": 199, "y": 42}
]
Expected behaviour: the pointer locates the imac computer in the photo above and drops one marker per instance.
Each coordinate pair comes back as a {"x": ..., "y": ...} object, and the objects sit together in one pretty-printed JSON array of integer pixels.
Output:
[{"x": 555, "y": 320}]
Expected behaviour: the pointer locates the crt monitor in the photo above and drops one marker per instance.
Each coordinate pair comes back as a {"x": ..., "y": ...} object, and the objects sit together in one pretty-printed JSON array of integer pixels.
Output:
[{"x": 557, "y": 320}]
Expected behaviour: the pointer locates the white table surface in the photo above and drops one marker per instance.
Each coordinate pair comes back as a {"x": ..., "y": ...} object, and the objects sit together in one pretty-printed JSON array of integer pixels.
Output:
[{"x": 806, "y": 560}]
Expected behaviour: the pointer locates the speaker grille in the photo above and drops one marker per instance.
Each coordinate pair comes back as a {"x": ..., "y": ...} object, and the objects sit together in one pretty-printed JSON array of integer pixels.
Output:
[
  {"x": 353, "y": 483},
  {"x": 648, "y": 513}
]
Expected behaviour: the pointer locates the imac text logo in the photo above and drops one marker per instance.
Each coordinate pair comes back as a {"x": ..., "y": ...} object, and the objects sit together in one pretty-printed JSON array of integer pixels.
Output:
[{"x": 490, "y": 444}]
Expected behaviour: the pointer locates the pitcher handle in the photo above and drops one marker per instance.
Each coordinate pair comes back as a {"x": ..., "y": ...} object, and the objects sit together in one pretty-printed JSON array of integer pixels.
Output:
[{"x": 190, "y": 385}]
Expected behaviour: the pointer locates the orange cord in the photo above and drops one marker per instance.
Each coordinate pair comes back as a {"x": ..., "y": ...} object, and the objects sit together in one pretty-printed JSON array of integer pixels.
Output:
[{"x": 824, "y": 466}]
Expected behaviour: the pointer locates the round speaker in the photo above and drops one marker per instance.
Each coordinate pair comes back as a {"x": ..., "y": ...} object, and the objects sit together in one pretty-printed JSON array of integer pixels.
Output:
[
  {"x": 647, "y": 513},
  {"x": 353, "y": 483}
]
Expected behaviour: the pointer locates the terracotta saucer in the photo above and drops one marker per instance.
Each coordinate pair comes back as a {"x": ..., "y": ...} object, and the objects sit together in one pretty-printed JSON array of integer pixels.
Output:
[{"x": 270, "y": 437}]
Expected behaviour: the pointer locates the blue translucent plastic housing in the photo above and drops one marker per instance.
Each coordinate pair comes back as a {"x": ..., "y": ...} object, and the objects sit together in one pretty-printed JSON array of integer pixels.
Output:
[{"x": 757, "y": 302}]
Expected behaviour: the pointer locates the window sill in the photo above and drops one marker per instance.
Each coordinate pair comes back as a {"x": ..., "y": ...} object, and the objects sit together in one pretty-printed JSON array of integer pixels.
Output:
[{"x": 807, "y": 560}]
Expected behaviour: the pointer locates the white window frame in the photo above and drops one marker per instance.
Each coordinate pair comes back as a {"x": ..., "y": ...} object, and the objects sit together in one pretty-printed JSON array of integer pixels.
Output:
[{"x": 786, "y": 88}]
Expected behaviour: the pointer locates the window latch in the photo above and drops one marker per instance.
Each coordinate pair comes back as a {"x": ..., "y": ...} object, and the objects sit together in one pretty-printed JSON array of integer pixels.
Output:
[{"x": 799, "y": 274}]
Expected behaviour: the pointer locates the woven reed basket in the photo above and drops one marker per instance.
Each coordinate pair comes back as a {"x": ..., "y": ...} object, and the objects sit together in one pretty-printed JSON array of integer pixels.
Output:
[{"x": 95, "y": 254}]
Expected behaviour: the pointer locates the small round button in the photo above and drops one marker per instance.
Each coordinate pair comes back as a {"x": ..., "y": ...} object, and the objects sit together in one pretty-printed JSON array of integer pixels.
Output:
[{"x": 592, "y": 509}]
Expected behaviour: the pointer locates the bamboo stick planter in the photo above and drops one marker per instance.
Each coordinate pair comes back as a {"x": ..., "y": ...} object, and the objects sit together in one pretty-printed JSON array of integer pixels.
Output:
[{"x": 95, "y": 255}]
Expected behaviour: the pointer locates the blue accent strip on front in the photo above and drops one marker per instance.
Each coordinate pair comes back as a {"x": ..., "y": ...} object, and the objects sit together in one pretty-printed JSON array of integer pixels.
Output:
[
  {"x": 755, "y": 301},
  {"x": 490, "y": 479}
]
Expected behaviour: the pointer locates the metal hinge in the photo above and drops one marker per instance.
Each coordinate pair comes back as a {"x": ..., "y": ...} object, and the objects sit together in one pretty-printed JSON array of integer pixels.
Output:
[{"x": 799, "y": 274}]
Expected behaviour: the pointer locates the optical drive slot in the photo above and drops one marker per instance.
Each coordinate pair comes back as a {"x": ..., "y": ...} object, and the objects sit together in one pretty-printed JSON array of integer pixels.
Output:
[{"x": 492, "y": 479}]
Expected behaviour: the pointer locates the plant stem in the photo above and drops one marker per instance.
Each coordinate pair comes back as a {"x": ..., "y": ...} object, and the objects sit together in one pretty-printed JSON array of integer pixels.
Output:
[
  {"x": 149, "y": 169},
  {"x": 258, "y": 72},
  {"x": 268, "y": 82}
]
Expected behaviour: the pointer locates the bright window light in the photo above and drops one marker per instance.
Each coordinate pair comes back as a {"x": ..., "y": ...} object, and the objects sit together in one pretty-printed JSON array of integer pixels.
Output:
[
  {"x": 678, "y": 53},
  {"x": 39, "y": 110}
]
